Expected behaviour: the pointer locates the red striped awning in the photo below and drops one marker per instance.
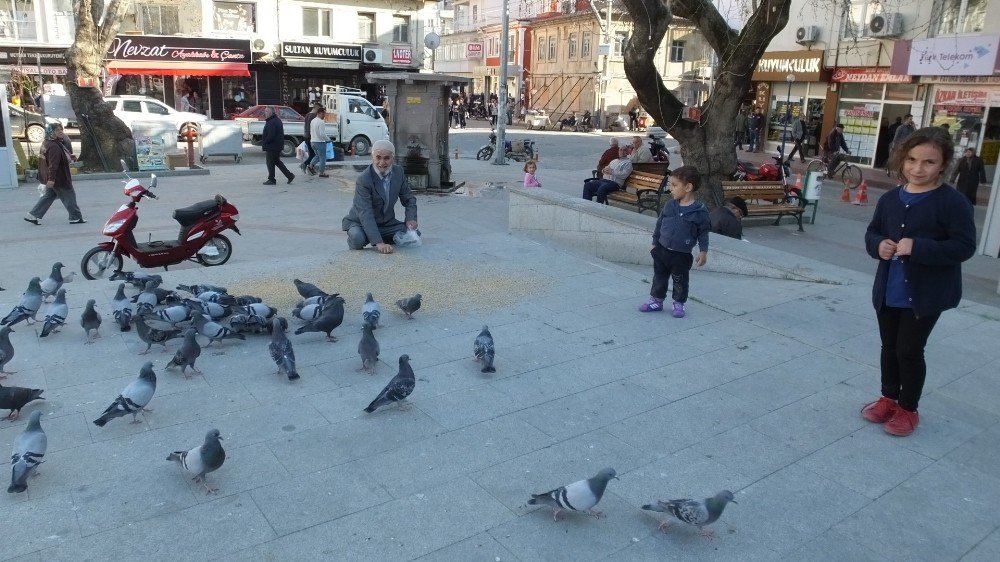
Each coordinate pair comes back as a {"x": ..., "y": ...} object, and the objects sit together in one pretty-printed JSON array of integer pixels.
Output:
[{"x": 177, "y": 68}]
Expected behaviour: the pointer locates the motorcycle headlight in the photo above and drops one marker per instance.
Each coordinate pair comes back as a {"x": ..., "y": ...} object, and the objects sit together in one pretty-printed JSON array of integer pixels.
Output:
[
  {"x": 112, "y": 228},
  {"x": 236, "y": 217}
]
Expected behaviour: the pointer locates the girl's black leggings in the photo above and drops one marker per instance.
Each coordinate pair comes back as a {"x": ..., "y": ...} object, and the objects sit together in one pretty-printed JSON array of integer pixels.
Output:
[{"x": 904, "y": 337}]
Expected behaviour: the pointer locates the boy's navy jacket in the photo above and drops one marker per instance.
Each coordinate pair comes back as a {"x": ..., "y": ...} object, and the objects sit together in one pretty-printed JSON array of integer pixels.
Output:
[
  {"x": 944, "y": 235},
  {"x": 679, "y": 231}
]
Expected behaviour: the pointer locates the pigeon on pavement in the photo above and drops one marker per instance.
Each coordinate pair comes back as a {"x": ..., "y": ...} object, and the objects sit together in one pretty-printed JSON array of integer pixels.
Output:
[
  {"x": 368, "y": 349},
  {"x": 244, "y": 300},
  {"x": 201, "y": 460},
  {"x": 410, "y": 305},
  {"x": 308, "y": 312},
  {"x": 213, "y": 330},
  {"x": 281, "y": 350},
  {"x": 133, "y": 399},
  {"x": 699, "y": 513},
  {"x": 90, "y": 320},
  {"x": 6, "y": 351},
  {"x": 318, "y": 299},
  {"x": 258, "y": 309},
  {"x": 202, "y": 288},
  {"x": 332, "y": 316},
  {"x": 211, "y": 309},
  {"x": 150, "y": 335},
  {"x": 52, "y": 283},
  {"x": 55, "y": 316},
  {"x": 308, "y": 289},
  {"x": 29, "y": 448},
  {"x": 14, "y": 398},
  {"x": 398, "y": 388},
  {"x": 483, "y": 348},
  {"x": 170, "y": 316},
  {"x": 136, "y": 279},
  {"x": 245, "y": 324},
  {"x": 146, "y": 300},
  {"x": 187, "y": 353},
  {"x": 581, "y": 495},
  {"x": 122, "y": 309},
  {"x": 371, "y": 311},
  {"x": 27, "y": 308}
]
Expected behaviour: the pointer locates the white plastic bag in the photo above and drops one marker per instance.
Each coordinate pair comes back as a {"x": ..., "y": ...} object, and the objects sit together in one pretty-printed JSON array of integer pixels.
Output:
[
  {"x": 301, "y": 152},
  {"x": 41, "y": 189},
  {"x": 408, "y": 238}
]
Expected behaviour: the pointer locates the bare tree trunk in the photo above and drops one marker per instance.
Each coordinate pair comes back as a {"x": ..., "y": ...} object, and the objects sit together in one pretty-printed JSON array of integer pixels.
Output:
[{"x": 105, "y": 139}]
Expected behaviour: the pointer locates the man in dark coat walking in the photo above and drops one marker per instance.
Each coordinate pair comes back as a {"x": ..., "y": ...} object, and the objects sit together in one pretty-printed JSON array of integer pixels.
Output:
[
  {"x": 272, "y": 141},
  {"x": 54, "y": 172},
  {"x": 969, "y": 174}
]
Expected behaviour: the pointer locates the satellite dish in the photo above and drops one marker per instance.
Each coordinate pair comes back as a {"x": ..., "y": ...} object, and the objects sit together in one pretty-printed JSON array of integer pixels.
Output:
[{"x": 432, "y": 40}]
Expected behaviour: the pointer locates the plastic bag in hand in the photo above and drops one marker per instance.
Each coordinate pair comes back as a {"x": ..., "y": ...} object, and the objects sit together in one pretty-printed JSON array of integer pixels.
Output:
[{"x": 408, "y": 238}]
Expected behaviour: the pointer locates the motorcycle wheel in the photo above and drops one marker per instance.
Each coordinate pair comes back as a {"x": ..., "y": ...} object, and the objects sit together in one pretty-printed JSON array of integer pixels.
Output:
[
  {"x": 484, "y": 153},
  {"x": 529, "y": 152},
  {"x": 98, "y": 262},
  {"x": 224, "y": 247}
]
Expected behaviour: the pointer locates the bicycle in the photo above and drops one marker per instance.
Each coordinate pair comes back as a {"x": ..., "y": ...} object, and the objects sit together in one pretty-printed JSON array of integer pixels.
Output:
[{"x": 850, "y": 175}]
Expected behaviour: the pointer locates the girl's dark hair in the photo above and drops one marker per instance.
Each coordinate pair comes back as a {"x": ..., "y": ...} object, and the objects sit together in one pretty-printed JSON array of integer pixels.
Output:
[
  {"x": 928, "y": 135},
  {"x": 688, "y": 174},
  {"x": 530, "y": 163}
]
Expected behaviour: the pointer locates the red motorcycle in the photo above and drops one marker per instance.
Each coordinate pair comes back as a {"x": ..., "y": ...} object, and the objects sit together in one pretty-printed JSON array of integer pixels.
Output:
[
  {"x": 200, "y": 237},
  {"x": 746, "y": 171}
]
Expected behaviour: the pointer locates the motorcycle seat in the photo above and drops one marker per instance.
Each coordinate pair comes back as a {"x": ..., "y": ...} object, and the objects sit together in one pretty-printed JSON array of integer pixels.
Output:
[
  {"x": 187, "y": 216},
  {"x": 750, "y": 168}
]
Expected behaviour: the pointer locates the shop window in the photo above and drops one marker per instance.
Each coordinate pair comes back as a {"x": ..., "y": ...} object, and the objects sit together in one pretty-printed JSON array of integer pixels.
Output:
[
  {"x": 158, "y": 20},
  {"x": 572, "y": 45},
  {"x": 856, "y": 19},
  {"x": 861, "y": 91},
  {"x": 510, "y": 47},
  {"x": 621, "y": 39},
  {"x": 400, "y": 29},
  {"x": 316, "y": 22},
  {"x": 366, "y": 27},
  {"x": 239, "y": 93},
  {"x": 959, "y": 16},
  {"x": 677, "y": 51},
  {"x": 17, "y": 20},
  {"x": 552, "y": 48},
  {"x": 235, "y": 16},
  {"x": 900, "y": 92},
  {"x": 585, "y": 45}
]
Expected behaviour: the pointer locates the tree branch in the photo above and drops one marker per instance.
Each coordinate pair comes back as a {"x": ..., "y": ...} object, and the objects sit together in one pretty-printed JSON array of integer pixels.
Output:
[
  {"x": 708, "y": 20},
  {"x": 650, "y": 20},
  {"x": 112, "y": 22}
]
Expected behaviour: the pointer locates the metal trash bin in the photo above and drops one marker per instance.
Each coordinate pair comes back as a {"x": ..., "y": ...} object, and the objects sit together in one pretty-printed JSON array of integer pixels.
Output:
[{"x": 220, "y": 138}]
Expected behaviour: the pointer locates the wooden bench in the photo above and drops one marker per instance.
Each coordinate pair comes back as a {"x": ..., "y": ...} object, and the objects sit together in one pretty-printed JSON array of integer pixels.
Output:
[
  {"x": 644, "y": 187},
  {"x": 765, "y": 199}
]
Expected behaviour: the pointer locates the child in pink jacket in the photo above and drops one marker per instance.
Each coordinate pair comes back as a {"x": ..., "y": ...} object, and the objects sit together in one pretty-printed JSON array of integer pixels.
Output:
[{"x": 530, "y": 180}]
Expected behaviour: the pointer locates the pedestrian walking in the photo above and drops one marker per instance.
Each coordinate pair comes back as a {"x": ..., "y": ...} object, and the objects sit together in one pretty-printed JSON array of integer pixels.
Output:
[
  {"x": 904, "y": 130},
  {"x": 53, "y": 171},
  {"x": 921, "y": 233},
  {"x": 799, "y": 132},
  {"x": 969, "y": 174},
  {"x": 272, "y": 141},
  {"x": 741, "y": 129},
  {"x": 319, "y": 139},
  {"x": 633, "y": 119},
  {"x": 754, "y": 125},
  {"x": 310, "y": 153}
]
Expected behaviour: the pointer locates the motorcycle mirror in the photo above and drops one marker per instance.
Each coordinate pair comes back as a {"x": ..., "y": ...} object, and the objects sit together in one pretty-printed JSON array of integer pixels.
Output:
[
  {"x": 152, "y": 181},
  {"x": 124, "y": 166}
]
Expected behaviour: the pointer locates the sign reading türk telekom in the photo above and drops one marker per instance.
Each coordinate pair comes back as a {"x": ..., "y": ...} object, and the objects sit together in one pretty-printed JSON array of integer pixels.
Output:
[
  {"x": 977, "y": 55},
  {"x": 201, "y": 49}
]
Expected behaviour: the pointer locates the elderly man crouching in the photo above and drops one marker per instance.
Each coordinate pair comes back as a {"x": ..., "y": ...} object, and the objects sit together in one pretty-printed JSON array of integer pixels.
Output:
[{"x": 372, "y": 218}]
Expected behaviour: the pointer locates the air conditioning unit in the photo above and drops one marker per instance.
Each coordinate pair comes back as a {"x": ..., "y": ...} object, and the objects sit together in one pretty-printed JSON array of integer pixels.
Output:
[
  {"x": 261, "y": 45},
  {"x": 887, "y": 24},
  {"x": 371, "y": 56},
  {"x": 807, "y": 35}
]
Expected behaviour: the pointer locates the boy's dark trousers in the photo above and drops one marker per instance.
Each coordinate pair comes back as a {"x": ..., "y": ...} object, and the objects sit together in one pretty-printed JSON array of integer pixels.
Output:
[{"x": 667, "y": 265}]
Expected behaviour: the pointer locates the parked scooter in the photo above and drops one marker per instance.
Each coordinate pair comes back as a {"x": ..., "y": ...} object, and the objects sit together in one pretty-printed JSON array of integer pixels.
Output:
[
  {"x": 657, "y": 146},
  {"x": 779, "y": 171},
  {"x": 200, "y": 237},
  {"x": 521, "y": 151}
]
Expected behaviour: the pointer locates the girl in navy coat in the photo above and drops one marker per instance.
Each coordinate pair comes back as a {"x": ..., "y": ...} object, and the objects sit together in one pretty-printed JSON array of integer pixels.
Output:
[{"x": 921, "y": 233}]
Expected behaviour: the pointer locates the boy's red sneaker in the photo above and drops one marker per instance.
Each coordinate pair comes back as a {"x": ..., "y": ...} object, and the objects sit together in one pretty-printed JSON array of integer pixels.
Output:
[
  {"x": 903, "y": 423},
  {"x": 880, "y": 411}
]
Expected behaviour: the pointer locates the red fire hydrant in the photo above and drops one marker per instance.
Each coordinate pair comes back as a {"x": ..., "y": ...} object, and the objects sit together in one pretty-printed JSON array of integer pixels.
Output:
[{"x": 189, "y": 132}]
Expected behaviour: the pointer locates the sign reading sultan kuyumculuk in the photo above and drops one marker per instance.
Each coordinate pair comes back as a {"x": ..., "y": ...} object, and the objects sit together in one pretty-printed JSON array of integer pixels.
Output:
[{"x": 321, "y": 51}]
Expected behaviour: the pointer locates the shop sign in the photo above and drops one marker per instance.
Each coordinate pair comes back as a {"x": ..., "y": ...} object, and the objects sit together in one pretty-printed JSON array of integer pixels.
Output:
[
  {"x": 474, "y": 50},
  {"x": 979, "y": 98},
  {"x": 984, "y": 80},
  {"x": 27, "y": 56},
  {"x": 869, "y": 75},
  {"x": 198, "y": 49},
  {"x": 324, "y": 51},
  {"x": 402, "y": 55},
  {"x": 975, "y": 55},
  {"x": 806, "y": 66},
  {"x": 866, "y": 111}
]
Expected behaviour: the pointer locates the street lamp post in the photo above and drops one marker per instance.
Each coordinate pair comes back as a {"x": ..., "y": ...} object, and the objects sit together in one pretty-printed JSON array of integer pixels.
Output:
[
  {"x": 788, "y": 114},
  {"x": 499, "y": 157}
]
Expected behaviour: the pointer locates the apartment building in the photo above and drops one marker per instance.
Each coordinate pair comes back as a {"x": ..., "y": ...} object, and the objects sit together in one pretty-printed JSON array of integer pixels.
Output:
[{"x": 33, "y": 36}]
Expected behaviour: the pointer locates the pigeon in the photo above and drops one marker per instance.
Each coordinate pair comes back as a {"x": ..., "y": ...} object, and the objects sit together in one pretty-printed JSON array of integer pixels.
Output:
[
  {"x": 147, "y": 299},
  {"x": 281, "y": 350},
  {"x": 29, "y": 448},
  {"x": 52, "y": 283},
  {"x": 170, "y": 316},
  {"x": 244, "y": 324},
  {"x": 410, "y": 305},
  {"x": 122, "y": 309},
  {"x": 308, "y": 289},
  {"x": 318, "y": 299},
  {"x": 213, "y": 330},
  {"x": 332, "y": 317},
  {"x": 28, "y": 307},
  {"x": 483, "y": 348},
  {"x": 90, "y": 320},
  {"x": 699, "y": 513},
  {"x": 398, "y": 388},
  {"x": 55, "y": 316},
  {"x": 187, "y": 353},
  {"x": 6, "y": 351},
  {"x": 581, "y": 495},
  {"x": 201, "y": 460},
  {"x": 14, "y": 398},
  {"x": 244, "y": 300},
  {"x": 151, "y": 335},
  {"x": 371, "y": 311},
  {"x": 368, "y": 349},
  {"x": 211, "y": 309},
  {"x": 137, "y": 280},
  {"x": 202, "y": 288},
  {"x": 258, "y": 309},
  {"x": 133, "y": 399},
  {"x": 308, "y": 312},
  {"x": 216, "y": 297}
]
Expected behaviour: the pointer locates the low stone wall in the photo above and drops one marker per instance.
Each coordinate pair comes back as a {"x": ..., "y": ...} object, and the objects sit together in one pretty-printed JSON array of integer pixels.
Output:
[{"x": 624, "y": 236}]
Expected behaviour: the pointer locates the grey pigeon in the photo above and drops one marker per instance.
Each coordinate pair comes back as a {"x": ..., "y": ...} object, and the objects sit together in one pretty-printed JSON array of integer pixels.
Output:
[
  {"x": 581, "y": 495},
  {"x": 202, "y": 288},
  {"x": 216, "y": 297},
  {"x": 332, "y": 317},
  {"x": 258, "y": 309},
  {"x": 27, "y": 308},
  {"x": 211, "y": 309},
  {"x": 318, "y": 299},
  {"x": 245, "y": 324},
  {"x": 151, "y": 335},
  {"x": 281, "y": 350},
  {"x": 244, "y": 300},
  {"x": 308, "y": 312},
  {"x": 368, "y": 349},
  {"x": 398, "y": 388},
  {"x": 483, "y": 348},
  {"x": 137, "y": 280},
  {"x": 307, "y": 290},
  {"x": 121, "y": 309},
  {"x": 55, "y": 316},
  {"x": 90, "y": 320},
  {"x": 201, "y": 460},
  {"x": 171, "y": 316},
  {"x": 410, "y": 305},
  {"x": 133, "y": 399},
  {"x": 213, "y": 330},
  {"x": 371, "y": 311},
  {"x": 147, "y": 299},
  {"x": 29, "y": 448},
  {"x": 187, "y": 353},
  {"x": 14, "y": 398},
  {"x": 52, "y": 283},
  {"x": 699, "y": 513},
  {"x": 6, "y": 350}
]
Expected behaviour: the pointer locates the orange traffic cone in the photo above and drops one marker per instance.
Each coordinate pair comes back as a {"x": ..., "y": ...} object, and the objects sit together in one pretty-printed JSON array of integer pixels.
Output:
[
  {"x": 846, "y": 195},
  {"x": 538, "y": 155},
  {"x": 862, "y": 198},
  {"x": 798, "y": 182}
]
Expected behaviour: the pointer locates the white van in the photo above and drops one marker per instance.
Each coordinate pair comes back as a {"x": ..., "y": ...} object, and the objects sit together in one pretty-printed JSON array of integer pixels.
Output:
[{"x": 359, "y": 122}]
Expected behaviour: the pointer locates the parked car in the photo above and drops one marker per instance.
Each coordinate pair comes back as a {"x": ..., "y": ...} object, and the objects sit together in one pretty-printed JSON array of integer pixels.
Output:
[
  {"x": 28, "y": 125},
  {"x": 142, "y": 108},
  {"x": 256, "y": 113}
]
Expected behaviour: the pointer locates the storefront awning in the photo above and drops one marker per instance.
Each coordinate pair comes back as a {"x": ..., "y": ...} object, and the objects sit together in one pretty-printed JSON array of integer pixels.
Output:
[
  {"x": 176, "y": 68},
  {"x": 320, "y": 63}
]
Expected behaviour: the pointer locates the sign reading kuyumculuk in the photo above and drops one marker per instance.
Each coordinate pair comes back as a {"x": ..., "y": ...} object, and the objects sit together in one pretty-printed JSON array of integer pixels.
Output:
[
  {"x": 179, "y": 49},
  {"x": 321, "y": 51},
  {"x": 973, "y": 55}
]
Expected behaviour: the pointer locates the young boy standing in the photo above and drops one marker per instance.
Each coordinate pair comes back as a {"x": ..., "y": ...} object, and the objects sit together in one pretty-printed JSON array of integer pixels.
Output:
[{"x": 682, "y": 223}]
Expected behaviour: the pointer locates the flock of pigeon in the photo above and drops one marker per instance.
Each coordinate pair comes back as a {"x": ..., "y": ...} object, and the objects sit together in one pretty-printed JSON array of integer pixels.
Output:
[{"x": 209, "y": 311}]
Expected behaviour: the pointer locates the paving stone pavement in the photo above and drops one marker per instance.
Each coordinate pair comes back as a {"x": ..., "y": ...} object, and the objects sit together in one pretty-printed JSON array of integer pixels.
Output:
[{"x": 757, "y": 390}]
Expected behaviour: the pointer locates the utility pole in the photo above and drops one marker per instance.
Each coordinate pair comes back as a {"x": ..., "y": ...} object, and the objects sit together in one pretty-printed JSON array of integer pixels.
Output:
[{"x": 499, "y": 152}]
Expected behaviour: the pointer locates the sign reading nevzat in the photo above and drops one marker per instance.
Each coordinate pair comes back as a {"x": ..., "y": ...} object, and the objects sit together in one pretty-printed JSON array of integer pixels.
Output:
[
  {"x": 321, "y": 51},
  {"x": 806, "y": 66},
  {"x": 197, "y": 49}
]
